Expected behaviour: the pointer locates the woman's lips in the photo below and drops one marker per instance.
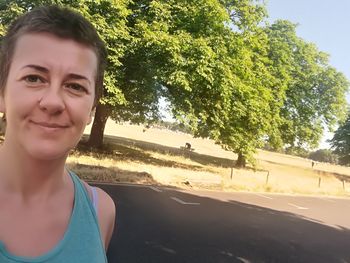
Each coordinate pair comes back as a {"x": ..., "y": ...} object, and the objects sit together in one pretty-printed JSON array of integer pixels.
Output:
[{"x": 50, "y": 125}]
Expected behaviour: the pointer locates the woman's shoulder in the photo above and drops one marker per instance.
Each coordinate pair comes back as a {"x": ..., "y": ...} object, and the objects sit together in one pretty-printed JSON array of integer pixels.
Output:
[{"x": 106, "y": 212}]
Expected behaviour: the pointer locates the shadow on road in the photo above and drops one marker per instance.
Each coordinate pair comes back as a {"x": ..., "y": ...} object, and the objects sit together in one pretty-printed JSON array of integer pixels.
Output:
[{"x": 152, "y": 227}]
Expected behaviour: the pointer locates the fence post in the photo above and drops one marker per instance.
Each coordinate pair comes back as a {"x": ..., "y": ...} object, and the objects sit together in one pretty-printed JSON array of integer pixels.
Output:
[
  {"x": 267, "y": 177},
  {"x": 344, "y": 184},
  {"x": 231, "y": 172},
  {"x": 319, "y": 182}
]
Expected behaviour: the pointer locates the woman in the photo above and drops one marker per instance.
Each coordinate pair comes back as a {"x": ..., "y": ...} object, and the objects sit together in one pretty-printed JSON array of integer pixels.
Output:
[{"x": 51, "y": 74}]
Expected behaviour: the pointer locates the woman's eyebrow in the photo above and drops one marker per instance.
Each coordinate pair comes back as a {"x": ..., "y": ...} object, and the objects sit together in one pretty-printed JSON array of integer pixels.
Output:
[
  {"x": 77, "y": 77},
  {"x": 36, "y": 67}
]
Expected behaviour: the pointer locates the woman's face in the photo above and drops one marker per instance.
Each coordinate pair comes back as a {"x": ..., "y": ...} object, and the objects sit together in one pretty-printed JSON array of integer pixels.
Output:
[{"x": 49, "y": 95}]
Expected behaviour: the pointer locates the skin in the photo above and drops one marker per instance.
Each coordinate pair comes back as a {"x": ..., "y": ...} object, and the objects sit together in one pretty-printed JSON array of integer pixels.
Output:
[{"x": 48, "y": 101}]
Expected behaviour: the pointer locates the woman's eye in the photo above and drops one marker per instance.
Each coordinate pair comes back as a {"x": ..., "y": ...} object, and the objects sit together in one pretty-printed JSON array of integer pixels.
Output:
[
  {"x": 33, "y": 79},
  {"x": 77, "y": 88}
]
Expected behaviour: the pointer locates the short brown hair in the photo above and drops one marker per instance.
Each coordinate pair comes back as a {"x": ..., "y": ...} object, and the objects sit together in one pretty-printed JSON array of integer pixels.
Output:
[{"x": 61, "y": 22}]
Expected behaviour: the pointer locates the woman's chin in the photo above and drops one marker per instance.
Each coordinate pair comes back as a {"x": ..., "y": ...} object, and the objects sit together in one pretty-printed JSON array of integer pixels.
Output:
[{"x": 48, "y": 153}]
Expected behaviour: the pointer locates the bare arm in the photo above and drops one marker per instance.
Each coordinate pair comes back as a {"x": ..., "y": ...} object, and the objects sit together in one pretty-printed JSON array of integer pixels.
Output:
[{"x": 106, "y": 216}]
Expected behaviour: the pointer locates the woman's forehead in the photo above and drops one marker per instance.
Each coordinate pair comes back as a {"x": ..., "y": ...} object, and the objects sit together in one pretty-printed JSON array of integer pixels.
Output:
[{"x": 55, "y": 52}]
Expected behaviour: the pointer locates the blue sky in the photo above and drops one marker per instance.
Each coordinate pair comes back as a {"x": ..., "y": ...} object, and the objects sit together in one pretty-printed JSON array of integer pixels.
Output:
[{"x": 323, "y": 22}]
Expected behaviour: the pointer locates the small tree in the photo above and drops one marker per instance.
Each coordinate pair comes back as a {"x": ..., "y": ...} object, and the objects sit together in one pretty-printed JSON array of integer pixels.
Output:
[{"x": 340, "y": 142}]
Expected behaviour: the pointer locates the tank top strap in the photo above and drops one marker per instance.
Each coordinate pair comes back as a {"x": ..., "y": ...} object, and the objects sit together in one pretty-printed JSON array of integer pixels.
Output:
[{"x": 94, "y": 197}]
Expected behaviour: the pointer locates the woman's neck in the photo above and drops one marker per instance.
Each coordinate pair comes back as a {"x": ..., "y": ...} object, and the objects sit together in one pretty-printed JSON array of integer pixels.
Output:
[{"x": 27, "y": 176}]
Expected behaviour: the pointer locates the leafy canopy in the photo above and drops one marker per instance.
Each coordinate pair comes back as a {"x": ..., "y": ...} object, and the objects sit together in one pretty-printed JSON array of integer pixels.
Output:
[{"x": 225, "y": 72}]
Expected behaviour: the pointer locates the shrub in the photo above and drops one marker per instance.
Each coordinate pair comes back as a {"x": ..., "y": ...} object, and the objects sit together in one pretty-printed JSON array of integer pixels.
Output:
[{"x": 324, "y": 155}]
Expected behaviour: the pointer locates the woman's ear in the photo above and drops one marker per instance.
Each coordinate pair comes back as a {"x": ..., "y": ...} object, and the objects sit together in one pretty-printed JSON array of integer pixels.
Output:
[
  {"x": 91, "y": 116},
  {"x": 2, "y": 104}
]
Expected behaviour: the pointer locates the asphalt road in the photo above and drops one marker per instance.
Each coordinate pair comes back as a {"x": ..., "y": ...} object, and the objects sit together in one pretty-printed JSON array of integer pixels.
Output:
[{"x": 168, "y": 225}]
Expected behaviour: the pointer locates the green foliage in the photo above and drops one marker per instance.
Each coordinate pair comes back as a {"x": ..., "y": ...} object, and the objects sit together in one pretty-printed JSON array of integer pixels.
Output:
[
  {"x": 245, "y": 14},
  {"x": 297, "y": 151},
  {"x": 314, "y": 92},
  {"x": 225, "y": 73},
  {"x": 170, "y": 54},
  {"x": 215, "y": 79},
  {"x": 340, "y": 143},
  {"x": 173, "y": 126},
  {"x": 324, "y": 155}
]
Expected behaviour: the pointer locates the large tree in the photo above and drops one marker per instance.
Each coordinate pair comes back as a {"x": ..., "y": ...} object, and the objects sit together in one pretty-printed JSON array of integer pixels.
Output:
[
  {"x": 211, "y": 68},
  {"x": 207, "y": 60},
  {"x": 245, "y": 112},
  {"x": 314, "y": 98}
]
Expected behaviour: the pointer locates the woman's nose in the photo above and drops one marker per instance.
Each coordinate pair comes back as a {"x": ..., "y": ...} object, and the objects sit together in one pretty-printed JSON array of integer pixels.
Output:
[{"x": 52, "y": 100}]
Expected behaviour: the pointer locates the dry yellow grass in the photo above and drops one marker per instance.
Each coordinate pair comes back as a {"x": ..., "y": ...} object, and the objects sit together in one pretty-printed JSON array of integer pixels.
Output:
[{"x": 154, "y": 157}]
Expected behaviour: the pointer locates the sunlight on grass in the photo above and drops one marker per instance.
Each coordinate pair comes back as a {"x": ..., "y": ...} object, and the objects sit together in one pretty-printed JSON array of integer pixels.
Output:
[{"x": 155, "y": 157}]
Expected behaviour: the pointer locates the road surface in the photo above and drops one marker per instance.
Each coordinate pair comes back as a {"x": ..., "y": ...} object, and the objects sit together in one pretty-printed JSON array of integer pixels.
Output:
[{"x": 164, "y": 225}]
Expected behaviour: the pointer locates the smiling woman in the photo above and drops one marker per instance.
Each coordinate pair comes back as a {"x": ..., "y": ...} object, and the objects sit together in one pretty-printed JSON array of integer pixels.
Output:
[
  {"x": 51, "y": 71},
  {"x": 49, "y": 94}
]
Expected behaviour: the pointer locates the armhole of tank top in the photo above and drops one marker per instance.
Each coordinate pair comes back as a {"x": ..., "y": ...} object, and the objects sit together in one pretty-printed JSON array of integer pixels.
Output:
[
  {"x": 94, "y": 198},
  {"x": 92, "y": 194}
]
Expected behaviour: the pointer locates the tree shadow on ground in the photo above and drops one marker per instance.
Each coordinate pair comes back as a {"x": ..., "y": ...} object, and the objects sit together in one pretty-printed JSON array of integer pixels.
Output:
[
  {"x": 286, "y": 164},
  {"x": 121, "y": 151},
  {"x": 134, "y": 149},
  {"x": 153, "y": 227},
  {"x": 159, "y": 148},
  {"x": 95, "y": 173},
  {"x": 340, "y": 177}
]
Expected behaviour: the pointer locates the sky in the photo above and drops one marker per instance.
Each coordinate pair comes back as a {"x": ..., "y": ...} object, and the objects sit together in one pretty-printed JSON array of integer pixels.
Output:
[{"x": 325, "y": 23}]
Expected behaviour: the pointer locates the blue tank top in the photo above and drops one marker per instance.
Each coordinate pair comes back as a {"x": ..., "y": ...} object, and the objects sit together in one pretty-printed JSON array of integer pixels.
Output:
[{"x": 82, "y": 240}]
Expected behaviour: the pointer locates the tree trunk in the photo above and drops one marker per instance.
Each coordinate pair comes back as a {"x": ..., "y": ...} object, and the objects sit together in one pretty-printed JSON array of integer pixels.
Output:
[
  {"x": 241, "y": 161},
  {"x": 97, "y": 130}
]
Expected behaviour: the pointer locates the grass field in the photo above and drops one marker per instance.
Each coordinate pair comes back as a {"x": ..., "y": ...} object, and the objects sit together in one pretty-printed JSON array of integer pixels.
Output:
[{"x": 154, "y": 156}]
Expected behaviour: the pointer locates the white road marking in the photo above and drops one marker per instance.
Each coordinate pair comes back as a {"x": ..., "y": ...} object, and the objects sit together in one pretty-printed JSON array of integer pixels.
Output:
[
  {"x": 243, "y": 260},
  {"x": 155, "y": 189},
  {"x": 264, "y": 196},
  {"x": 227, "y": 253},
  {"x": 326, "y": 199},
  {"x": 183, "y": 202},
  {"x": 155, "y": 245},
  {"x": 298, "y": 207}
]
